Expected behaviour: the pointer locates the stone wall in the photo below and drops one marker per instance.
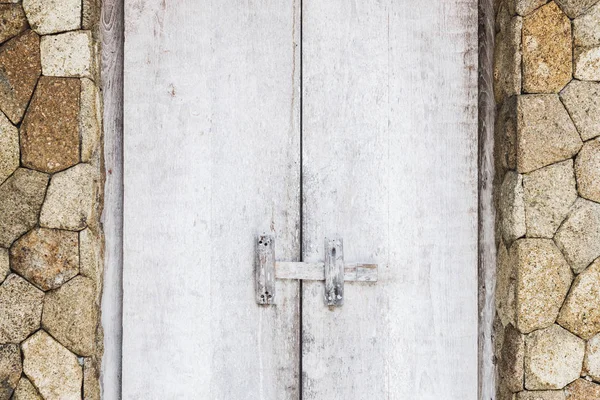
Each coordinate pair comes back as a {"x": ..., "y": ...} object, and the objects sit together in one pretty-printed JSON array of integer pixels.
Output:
[
  {"x": 50, "y": 200},
  {"x": 547, "y": 156}
]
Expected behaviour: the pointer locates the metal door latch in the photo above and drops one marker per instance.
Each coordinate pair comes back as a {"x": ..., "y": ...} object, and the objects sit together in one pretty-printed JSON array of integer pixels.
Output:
[{"x": 333, "y": 271}]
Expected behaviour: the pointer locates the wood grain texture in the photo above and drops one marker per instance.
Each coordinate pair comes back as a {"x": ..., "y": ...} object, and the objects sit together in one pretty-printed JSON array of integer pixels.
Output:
[
  {"x": 111, "y": 32},
  {"x": 390, "y": 165},
  {"x": 316, "y": 271},
  {"x": 334, "y": 272},
  {"x": 265, "y": 270},
  {"x": 211, "y": 159},
  {"x": 487, "y": 213}
]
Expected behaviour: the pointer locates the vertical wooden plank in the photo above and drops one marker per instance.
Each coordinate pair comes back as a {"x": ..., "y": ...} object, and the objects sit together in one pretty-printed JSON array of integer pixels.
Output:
[
  {"x": 390, "y": 165},
  {"x": 487, "y": 213},
  {"x": 111, "y": 28},
  {"x": 211, "y": 159}
]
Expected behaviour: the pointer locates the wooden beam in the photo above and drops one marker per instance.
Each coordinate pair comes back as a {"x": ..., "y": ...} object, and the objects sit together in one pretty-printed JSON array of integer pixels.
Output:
[
  {"x": 308, "y": 271},
  {"x": 486, "y": 212},
  {"x": 111, "y": 32}
]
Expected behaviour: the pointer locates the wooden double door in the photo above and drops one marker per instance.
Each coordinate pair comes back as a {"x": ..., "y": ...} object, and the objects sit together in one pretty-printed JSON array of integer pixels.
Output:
[{"x": 303, "y": 119}]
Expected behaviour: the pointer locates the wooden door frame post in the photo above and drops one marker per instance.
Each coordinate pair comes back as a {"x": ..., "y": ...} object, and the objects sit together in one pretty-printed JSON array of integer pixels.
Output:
[{"x": 112, "y": 36}]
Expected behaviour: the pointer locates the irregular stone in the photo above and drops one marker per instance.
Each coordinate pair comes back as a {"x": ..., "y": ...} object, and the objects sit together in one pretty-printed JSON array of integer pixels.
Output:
[
  {"x": 9, "y": 148},
  {"x": 503, "y": 16},
  {"x": 10, "y": 369},
  {"x": 20, "y": 308},
  {"x": 91, "y": 380},
  {"x": 543, "y": 280},
  {"x": 579, "y": 236},
  {"x": 591, "y": 363},
  {"x": 586, "y": 29},
  {"x": 90, "y": 14},
  {"x": 541, "y": 395},
  {"x": 53, "y": 370},
  {"x": 574, "y": 8},
  {"x": 50, "y": 130},
  {"x": 70, "y": 315},
  {"x": 587, "y": 169},
  {"x": 512, "y": 207},
  {"x": 587, "y": 64},
  {"x": 505, "y": 286},
  {"x": 505, "y": 137},
  {"x": 545, "y": 132},
  {"x": 507, "y": 61},
  {"x": 19, "y": 71},
  {"x": 497, "y": 336},
  {"x": 511, "y": 363},
  {"x": 70, "y": 199},
  {"x": 582, "y": 390},
  {"x": 89, "y": 121},
  {"x": 67, "y": 54},
  {"x": 582, "y": 100},
  {"x": 504, "y": 393},
  {"x": 581, "y": 312},
  {"x": 4, "y": 264},
  {"x": 549, "y": 194},
  {"x": 525, "y": 7},
  {"x": 46, "y": 257},
  {"x": 53, "y": 16},
  {"x": 26, "y": 391},
  {"x": 90, "y": 256},
  {"x": 547, "y": 50},
  {"x": 12, "y": 21},
  {"x": 553, "y": 358},
  {"x": 21, "y": 198}
]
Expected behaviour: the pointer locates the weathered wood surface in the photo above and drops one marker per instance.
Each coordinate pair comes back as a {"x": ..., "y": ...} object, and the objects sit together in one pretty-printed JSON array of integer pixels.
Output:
[
  {"x": 265, "y": 270},
  {"x": 487, "y": 213},
  {"x": 334, "y": 272},
  {"x": 316, "y": 271},
  {"x": 111, "y": 28},
  {"x": 390, "y": 165},
  {"x": 211, "y": 159}
]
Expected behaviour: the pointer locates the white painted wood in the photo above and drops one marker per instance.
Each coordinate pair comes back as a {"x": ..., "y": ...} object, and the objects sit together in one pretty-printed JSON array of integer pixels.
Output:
[
  {"x": 265, "y": 270},
  {"x": 111, "y": 29},
  {"x": 300, "y": 270},
  {"x": 334, "y": 272},
  {"x": 390, "y": 165},
  {"x": 211, "y": 159},
  {"x": 316, "y": 271}
]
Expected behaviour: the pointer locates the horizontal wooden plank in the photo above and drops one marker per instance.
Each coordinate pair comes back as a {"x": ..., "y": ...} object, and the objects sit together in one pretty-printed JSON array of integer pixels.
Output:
[{"x": 357, "y": 272}]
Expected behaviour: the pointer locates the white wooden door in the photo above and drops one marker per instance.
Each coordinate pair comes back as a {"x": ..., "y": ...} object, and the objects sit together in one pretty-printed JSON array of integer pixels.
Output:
[
  {"x": 390, "y": 165},
  {"x": 303, "y": 119},
  {"x": 211, "y": 149}
]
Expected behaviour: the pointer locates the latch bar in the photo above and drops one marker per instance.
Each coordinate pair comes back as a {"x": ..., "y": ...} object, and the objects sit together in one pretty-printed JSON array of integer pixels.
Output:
[
  {"x": 307, "y": 271},
  {"x": 334, "y": 271}
]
